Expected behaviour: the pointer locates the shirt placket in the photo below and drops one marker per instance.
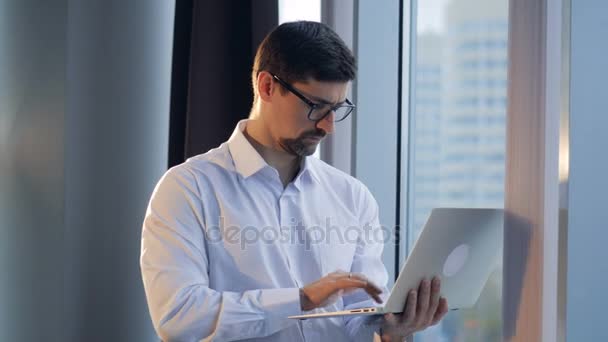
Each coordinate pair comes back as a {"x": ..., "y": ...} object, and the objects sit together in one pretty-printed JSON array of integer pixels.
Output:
[{"x": 286, "y": 213}]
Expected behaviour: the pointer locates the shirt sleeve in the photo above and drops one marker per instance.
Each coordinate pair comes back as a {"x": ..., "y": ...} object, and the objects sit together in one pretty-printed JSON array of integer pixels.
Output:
[
  {"x": 174, "y": 266},
  {"x": 367, "y": 260}
]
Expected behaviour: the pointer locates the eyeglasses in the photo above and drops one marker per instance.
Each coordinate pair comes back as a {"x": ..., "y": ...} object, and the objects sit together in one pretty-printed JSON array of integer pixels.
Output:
[{"x": 319, "y": 111}]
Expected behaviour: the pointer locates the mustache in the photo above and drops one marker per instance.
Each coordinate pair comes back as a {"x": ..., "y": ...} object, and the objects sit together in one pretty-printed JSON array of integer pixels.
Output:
[{"x": 315, "y": 134}]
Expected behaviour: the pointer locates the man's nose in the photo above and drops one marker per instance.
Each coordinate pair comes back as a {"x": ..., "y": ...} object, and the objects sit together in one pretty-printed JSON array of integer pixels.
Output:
[{"x": 327, "y": 123}]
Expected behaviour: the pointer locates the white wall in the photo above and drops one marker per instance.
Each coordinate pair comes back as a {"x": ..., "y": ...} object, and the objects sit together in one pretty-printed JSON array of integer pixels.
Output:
[{"x": 376, "y": 118}]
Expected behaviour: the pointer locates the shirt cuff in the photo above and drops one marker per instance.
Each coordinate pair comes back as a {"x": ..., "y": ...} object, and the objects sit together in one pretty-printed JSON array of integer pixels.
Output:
[{"x": 279, "y": 304}]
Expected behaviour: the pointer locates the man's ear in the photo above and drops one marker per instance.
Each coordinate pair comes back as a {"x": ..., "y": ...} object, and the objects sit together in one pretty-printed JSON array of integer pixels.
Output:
[{"x": 265, "y": 86}]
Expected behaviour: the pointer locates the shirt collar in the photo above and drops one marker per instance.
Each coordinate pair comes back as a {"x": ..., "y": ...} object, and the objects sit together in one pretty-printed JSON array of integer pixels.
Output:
[{"x": 248, "y": 161}]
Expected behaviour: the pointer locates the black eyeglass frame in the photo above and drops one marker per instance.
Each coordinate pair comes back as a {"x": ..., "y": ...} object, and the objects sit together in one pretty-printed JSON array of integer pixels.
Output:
[{"x": 313, "y": 105}]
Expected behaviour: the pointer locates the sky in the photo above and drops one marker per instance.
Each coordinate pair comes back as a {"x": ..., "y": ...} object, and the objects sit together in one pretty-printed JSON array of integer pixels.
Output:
[{"x": 431, "y": 16}]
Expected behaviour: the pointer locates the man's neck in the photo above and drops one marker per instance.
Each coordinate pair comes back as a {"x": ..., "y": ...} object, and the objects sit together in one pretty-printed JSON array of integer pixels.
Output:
[{"x": 286, "y": 164}]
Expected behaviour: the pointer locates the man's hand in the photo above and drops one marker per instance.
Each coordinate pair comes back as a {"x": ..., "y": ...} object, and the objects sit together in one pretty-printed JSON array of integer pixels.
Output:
[
  {"x": 329, "y": 288},
  {"x": 423, "y": 309}
]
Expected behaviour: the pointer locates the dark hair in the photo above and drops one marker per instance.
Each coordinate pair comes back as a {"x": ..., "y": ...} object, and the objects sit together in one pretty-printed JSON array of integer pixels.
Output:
[{"x": 300, "y": 50}]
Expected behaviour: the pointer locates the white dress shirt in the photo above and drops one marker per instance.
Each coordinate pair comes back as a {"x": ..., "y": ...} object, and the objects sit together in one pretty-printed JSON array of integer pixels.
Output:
[{"x": 225, "y": 248}]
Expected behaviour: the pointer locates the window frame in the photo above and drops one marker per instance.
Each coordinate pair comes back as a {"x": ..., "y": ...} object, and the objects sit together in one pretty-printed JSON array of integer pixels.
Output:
[{"x": 540, "y": 245}]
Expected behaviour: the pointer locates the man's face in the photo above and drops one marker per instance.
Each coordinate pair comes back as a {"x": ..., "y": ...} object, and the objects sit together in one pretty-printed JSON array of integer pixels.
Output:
[{"x": 289, "y": 125}]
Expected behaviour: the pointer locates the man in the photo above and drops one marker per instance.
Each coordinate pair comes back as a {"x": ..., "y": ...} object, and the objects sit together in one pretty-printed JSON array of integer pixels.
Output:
[{"x": 237, "y": 239}]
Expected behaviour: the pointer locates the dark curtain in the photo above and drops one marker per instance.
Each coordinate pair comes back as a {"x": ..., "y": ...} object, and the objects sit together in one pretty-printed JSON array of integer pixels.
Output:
[{"x": 214, "y": 47}]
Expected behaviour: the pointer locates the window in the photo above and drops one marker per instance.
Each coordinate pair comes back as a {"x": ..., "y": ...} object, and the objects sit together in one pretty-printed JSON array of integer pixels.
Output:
[
  {"x": 456, "y": 146},
  {"x": 292, "y": 10}
]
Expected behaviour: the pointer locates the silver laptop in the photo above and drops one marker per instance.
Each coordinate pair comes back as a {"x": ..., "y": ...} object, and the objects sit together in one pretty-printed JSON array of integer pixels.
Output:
[{"x": 462, "y": 246}]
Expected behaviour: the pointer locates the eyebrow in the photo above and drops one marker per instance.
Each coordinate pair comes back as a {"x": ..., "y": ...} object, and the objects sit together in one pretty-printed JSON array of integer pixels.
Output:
[{"x": 323, "y": 101}]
